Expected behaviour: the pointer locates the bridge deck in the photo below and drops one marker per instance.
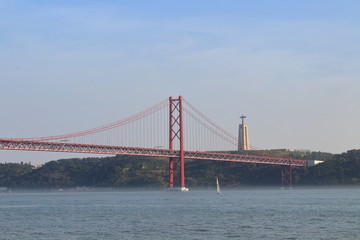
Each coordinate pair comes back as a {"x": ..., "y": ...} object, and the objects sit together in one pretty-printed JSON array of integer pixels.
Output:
[{"x": 9, "y": 144}]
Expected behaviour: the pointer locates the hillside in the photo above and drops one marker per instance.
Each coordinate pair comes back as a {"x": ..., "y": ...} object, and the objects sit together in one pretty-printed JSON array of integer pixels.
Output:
[{"x": 130, "y": 171}]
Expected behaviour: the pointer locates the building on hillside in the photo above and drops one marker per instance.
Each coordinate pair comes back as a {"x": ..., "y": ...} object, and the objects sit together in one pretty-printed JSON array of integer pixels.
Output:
[{"x": 312, "y": 163}]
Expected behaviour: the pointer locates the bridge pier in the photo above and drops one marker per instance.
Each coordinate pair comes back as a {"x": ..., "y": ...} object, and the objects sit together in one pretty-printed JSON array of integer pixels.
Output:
[
  {"x": 286, "y": 176},
  {"x": 171, "y": 172},
  {"x": 176, "y": 166}
]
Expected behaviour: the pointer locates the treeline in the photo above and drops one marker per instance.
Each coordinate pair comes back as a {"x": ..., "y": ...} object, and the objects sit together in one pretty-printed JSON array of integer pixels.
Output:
[
  {"x": 118, "y": 171},
  {"x": 131, "y": 171},
  {"x": 344, "y": 169}
]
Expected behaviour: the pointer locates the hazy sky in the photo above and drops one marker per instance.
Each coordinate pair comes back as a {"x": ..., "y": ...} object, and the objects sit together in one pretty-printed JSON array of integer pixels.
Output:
[{"x": 292, "y": 67}]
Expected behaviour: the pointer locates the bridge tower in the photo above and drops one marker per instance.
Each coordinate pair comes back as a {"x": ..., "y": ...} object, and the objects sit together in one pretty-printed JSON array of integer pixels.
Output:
[
  {"x": 176, "y": 135},
  {"x": 286, "y": 176},
  {"x": 243, "y": 135}
]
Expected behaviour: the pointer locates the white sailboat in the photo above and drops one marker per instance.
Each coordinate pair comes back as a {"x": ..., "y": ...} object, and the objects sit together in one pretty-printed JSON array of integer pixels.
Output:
[{"x": 217, "y": 186}]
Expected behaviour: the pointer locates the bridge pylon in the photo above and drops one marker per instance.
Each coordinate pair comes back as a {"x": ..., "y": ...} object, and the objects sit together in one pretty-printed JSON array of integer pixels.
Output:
[
  {"x": 286, "y": 176},
  {"x": 176, "y": 134}
]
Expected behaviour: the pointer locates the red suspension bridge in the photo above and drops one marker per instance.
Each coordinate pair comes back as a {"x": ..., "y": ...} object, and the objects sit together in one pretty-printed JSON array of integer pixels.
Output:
[{"x": 173, "y": 128}]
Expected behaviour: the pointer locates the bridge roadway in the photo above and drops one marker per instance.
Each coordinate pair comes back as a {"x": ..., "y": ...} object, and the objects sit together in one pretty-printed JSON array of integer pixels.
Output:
[{"x": 10, "y": 144}]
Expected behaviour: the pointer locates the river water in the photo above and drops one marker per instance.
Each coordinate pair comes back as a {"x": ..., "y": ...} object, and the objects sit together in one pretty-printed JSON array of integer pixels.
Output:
[{"x": 235, "y": 214}]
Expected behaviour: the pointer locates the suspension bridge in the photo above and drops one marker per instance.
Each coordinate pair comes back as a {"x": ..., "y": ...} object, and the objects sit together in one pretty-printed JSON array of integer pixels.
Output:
[{"x": 172, "y": 128}]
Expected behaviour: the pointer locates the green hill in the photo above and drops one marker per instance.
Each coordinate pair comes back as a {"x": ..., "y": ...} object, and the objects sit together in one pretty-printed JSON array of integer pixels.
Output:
[{"x": 131, "y": 171}]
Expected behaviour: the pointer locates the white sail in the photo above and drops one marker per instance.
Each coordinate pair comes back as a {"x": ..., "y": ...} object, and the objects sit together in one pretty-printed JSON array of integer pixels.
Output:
[{"x": 217, "y": 186}]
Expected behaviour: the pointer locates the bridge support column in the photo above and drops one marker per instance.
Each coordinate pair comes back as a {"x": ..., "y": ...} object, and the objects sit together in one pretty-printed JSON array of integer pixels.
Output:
[
  {"x": 286, "y": 176},
  {"x": 176, "y": 166},
  {"x": 171, "y": 172}
]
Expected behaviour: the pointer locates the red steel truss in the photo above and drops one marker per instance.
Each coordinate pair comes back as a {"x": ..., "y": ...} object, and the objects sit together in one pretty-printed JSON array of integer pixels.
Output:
[
  {"x": 9, "y": 144},
  {"x": 176, "y": 165},
  {"x": 286, "y": 175}
]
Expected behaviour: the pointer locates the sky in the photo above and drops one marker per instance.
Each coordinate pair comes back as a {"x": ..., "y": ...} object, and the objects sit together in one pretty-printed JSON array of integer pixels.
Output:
[{"x": 292, "y": 67}]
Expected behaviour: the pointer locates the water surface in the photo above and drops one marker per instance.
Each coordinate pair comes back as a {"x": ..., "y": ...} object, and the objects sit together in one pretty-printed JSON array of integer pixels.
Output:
[{"x": 235, "y": 214}]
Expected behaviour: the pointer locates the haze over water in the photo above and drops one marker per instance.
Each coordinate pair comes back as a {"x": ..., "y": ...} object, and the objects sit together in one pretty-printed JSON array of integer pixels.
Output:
[{"x": 235, "y": 214}]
